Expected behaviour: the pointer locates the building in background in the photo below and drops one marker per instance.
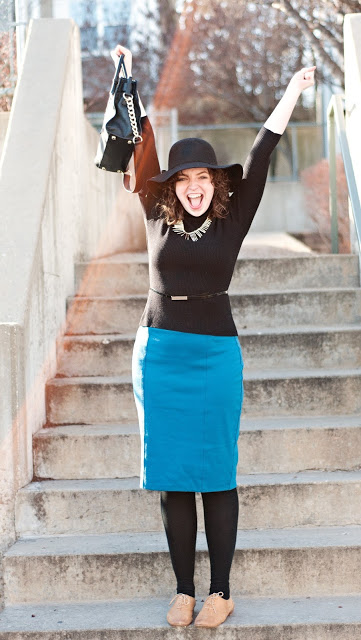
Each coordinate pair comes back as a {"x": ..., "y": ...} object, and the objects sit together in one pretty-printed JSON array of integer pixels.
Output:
[
  {"x": 102, "y": 24},
  {"x": 143, "y": 25},
  {"x": 100, "y": 21}
]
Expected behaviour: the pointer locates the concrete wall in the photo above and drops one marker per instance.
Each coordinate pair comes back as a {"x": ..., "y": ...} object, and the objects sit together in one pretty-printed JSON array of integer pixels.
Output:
[
  {"x": 56, "y": 207},
  {"x": 4, "y": 119},
  {"x": 352, "y": 37},
  {"x": 283, "y": 208}
]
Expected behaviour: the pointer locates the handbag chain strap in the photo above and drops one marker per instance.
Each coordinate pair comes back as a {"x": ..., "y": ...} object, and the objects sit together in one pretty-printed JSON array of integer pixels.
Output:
[{"x": 133, "y": 121}]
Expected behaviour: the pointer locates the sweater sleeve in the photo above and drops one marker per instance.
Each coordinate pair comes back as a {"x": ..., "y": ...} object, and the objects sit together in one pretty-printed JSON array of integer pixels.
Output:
[
  {"x": 246, "y": 198},
  {"x": 146, "y": 164}
]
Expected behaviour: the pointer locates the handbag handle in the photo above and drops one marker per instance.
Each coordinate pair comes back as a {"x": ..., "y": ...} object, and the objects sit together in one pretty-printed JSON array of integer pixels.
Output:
[{"x": 117, "y": 74}]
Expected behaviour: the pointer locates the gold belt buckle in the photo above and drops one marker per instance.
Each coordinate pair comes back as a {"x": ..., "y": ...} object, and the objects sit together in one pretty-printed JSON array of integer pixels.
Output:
[{"x": 179, "y": 297}]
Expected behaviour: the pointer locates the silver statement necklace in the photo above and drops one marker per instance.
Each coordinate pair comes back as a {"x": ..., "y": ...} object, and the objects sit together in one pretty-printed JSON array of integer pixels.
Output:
[{"x": 178, "y": 227}]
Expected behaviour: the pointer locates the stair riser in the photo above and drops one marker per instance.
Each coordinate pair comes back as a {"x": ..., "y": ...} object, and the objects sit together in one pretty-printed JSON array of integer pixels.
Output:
[
  {"x": 255, "y": 572},
  {"x": 339, "y": 350},
  {"x": 261, "y": 451},
  {"x": 337, "y": 271},
  {"x": 107, "y": 357},
  {"x": 296, "y": 631},
  {"x": 90, "y": 403},
  {"x": 80, "y": 457},
  {"x": 95, "y": 403},
  {"x": 302, "y": 396},
  {"x": 112, "y": 511},
  {"x": 113, "y": 356},
  {"x": 253, "y": 311},
  {"x": 292, "y": 450}
]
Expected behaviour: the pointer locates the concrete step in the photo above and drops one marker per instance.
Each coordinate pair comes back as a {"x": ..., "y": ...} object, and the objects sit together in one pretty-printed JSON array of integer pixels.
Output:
[
  {"x": 267, "y": 501},
  {"x": 268, "y": 310},
  {"x": 274, "y": 445},
  {"x": 271, "y": 563},
  {"x": 128, "y": 273},
  {"x": 111, "y": 355},
  {"x": 96, "y": 400},
  {"x": 316, "y": 618}
]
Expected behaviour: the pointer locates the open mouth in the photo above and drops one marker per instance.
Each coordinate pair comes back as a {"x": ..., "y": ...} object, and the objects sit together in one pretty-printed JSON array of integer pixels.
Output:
[{"x": 195, "y": 200}]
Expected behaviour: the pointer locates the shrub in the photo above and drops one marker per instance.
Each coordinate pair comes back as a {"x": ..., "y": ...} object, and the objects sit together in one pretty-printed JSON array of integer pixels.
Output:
[{"x": 315, "y": 180}]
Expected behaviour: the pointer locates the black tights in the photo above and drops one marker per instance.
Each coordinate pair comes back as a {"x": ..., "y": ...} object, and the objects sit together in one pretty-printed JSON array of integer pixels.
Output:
[{"x": 180, "y": 522}]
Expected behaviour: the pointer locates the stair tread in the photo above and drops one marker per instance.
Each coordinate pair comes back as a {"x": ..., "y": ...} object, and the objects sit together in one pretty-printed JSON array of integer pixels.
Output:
[
  {"x": 303, "y": 330},
  {"x": 89, "y": 430},
  {"x": 232, "y": 293},
  {"x": 150, "y": 613},
  {"x": 301, "y": 422},
  {"x": 247, "y": 424},
  {"x": 142, "y": 257},
  {"x": 279, "y": 374},
  {"x": 126, "y": 257},
  {"x": 148, "y": 542},
  {"x": 251, "y": 374},
  {"x": 244, "y": 480}
]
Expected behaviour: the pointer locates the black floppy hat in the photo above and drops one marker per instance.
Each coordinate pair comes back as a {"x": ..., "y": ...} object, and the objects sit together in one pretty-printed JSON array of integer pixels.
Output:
[{"x": 190, "y": 153}]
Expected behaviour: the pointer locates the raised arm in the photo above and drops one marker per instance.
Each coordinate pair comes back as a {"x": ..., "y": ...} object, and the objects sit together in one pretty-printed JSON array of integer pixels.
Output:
[
  {"x": 146, "y": 162},
  {"x": 250, "y": 191},
  {"x": 279, "y": 118}
]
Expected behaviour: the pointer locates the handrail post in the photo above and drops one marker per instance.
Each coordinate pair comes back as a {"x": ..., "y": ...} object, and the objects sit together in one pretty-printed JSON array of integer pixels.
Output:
[
  {"x": 354, "y": 198},
  {"x": 294, "y": 140},
  {"x": 332, "y": 171}
]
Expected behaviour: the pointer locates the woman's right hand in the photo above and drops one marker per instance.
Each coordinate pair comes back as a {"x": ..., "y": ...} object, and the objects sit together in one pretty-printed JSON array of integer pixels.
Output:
[{"x": 117, "y": 52}]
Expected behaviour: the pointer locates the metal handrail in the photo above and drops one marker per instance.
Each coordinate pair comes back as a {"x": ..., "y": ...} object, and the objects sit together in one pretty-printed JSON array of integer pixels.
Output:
[{"x": 336, "y": 122}]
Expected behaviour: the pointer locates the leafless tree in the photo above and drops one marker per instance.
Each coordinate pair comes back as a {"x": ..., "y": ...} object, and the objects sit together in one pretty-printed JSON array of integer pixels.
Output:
[
  {"x": 320, "y": 24},
  {"x": 149, "y": 39},
  {"x": 240, "y": 60},
  {"x": 6, "y": 81}
]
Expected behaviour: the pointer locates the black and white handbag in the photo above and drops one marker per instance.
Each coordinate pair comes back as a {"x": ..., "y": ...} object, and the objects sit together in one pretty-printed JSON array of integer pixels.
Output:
[{"x": 121, "y": 133}]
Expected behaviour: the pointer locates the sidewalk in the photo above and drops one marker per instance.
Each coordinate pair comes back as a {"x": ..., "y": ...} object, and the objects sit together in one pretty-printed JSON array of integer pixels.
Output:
[{"x": 272, "y": 245}]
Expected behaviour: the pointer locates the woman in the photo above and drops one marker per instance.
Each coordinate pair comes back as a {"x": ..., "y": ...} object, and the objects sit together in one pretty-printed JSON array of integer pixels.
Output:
[{"x": 187, "y": 362}]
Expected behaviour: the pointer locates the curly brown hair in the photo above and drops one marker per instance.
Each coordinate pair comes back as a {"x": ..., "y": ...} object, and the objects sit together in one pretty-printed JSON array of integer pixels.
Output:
[{"x": 170, "y": 207}]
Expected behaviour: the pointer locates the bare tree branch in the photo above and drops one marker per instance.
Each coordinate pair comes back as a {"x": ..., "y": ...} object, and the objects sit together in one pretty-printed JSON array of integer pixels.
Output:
[
  {"x": 306, "y": 30},
  {"x": 336, "y": 42}
]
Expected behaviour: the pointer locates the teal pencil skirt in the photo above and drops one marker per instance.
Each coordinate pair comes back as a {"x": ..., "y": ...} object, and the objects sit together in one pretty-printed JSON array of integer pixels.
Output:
[{"x": 188, "y": 390}]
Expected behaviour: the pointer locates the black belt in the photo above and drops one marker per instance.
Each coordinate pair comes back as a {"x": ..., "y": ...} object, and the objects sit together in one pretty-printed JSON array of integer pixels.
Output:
[{"x": 200, "y": 295}]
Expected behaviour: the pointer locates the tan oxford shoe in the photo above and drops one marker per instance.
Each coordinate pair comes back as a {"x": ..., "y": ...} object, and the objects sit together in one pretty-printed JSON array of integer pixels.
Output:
[
  {"x": 181, "y": 613},
  {"x": 214, "y": 611}
]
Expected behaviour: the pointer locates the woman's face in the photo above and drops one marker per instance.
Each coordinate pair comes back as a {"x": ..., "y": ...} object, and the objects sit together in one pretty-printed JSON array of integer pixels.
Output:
[{"x": 194, "y": 189}]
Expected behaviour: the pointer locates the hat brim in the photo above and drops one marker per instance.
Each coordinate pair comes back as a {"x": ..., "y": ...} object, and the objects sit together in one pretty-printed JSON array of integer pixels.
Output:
[{"x": 157, "y": 183}]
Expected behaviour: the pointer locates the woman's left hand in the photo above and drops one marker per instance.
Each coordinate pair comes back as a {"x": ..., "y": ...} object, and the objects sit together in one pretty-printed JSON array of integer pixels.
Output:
[
  {"x": 303, "y": 79},
  {"x": 117, "y": 52},
  {"x": 279, "y": 118}
]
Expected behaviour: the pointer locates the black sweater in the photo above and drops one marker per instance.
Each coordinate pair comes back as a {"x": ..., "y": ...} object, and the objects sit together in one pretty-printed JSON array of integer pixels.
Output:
[{"x": 178, "y": 266}]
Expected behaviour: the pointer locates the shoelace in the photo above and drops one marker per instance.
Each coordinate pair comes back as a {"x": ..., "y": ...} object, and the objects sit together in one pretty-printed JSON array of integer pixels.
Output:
[
  {"x": 183, "y": 600},
  {"x": 209, "y": 603}
]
